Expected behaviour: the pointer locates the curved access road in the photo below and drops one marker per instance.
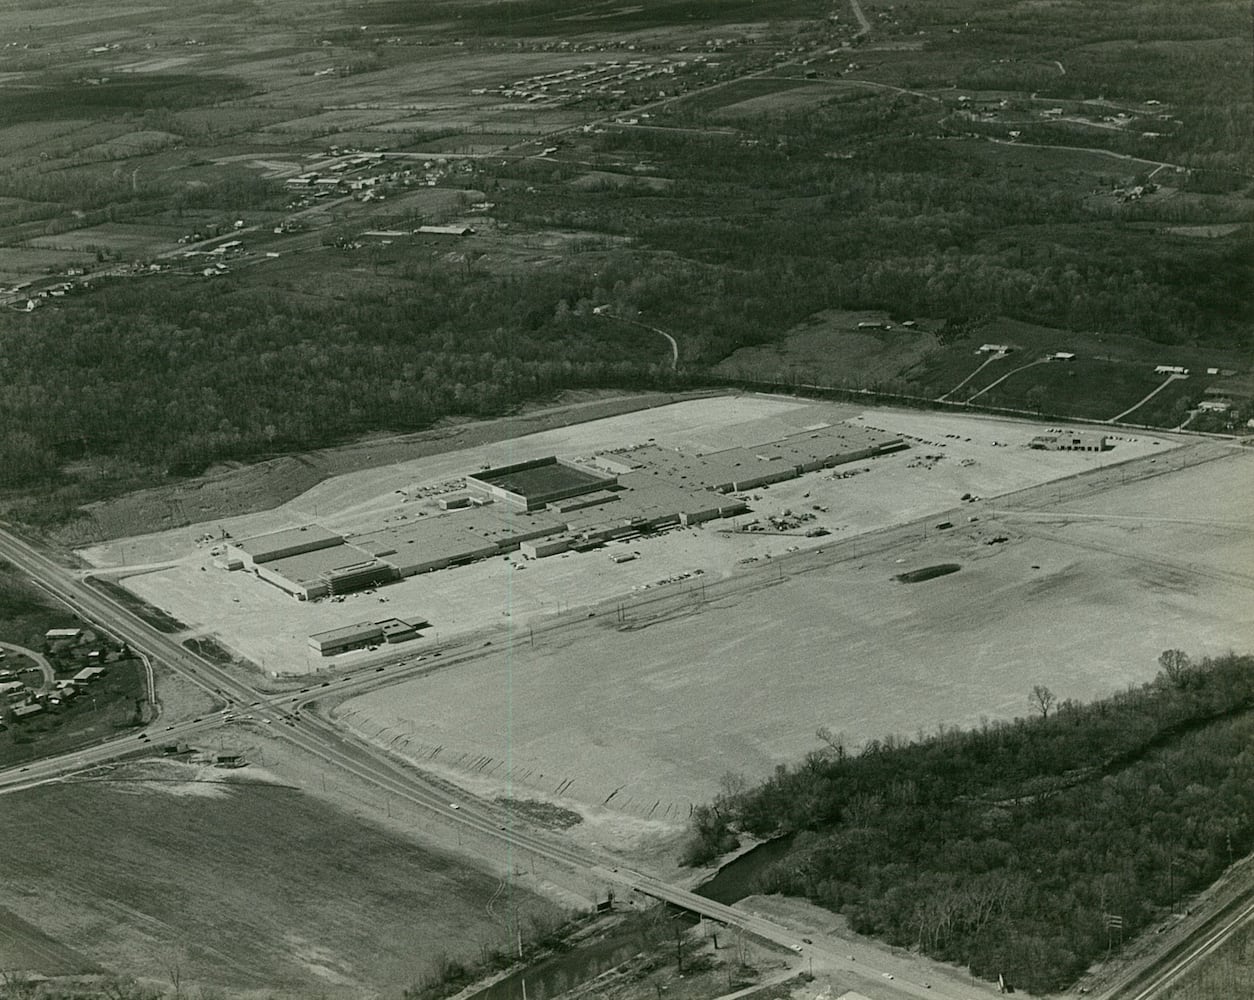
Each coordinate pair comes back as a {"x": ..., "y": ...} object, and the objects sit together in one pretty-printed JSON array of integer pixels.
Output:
[{"x": 41, "y": 662}]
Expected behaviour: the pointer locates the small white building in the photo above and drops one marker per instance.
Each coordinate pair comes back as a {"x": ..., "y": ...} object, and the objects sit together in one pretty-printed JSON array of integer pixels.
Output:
[{"x": 1171, "y": 370}]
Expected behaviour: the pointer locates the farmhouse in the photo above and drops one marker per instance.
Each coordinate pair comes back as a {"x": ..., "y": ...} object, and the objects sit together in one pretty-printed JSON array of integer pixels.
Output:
[
  {"x": 993, "y": 349},
  {"x": 1070, "y": 441},
  {"x": 1171, "y": 370},
  {"x": 1060, "y": 356}
]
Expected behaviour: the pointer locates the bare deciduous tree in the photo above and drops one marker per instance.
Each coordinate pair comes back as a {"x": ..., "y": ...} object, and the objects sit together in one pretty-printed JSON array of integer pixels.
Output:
[
  {"x": 1042, "y": 699},
  {"x": 1176, "y": 667}
]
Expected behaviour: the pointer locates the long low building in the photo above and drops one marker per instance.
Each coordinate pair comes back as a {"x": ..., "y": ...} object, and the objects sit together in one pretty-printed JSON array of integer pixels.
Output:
[
  {"x": 282, "y": 544},
  {"x": 550, "y": 505},
  {"x": 340, "y": 640}
]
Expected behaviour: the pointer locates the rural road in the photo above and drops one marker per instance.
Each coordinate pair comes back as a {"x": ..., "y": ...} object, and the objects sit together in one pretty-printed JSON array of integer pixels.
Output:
[
  {"x": 1137, "y": 405},
  {"x": 993, "y": 385},
  {"x": 651, "y": 329},
  {"x": 322, "y": 740},
  {"x": 989, "y": 361}
]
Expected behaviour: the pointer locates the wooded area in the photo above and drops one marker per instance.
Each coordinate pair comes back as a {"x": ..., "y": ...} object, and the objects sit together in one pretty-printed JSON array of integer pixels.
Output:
[
  {"x": 1007, "y": 848},
  {"x": 736, "y": 219}
]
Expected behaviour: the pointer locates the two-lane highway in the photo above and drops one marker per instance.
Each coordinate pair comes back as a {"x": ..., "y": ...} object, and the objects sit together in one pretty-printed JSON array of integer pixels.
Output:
[{"x": 319, "y": 739}]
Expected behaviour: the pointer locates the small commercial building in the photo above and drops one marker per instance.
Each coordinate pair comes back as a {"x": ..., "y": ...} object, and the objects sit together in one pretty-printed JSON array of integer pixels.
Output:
[
  {"x": 63, "y": 635},
  {"x": 1070, "y": 441},
  {"x": 26, "y": 711},
  {"x": 87, "y": 675},
  {"x": 399, "y": 630},
  {"x": 340, "y": 640}
]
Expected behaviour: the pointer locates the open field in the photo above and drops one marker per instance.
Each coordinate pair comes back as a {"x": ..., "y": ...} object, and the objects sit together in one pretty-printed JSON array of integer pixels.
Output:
[
  {"x": 243, "y": 883},
  {"x": 1110, "y": 374},
  {"x": 970, "y": 456},
  {"x": 674, "y": 698}
]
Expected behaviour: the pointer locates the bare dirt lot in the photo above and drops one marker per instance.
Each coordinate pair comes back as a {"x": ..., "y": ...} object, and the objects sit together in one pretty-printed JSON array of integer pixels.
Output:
[
  {"x": 967, "y": 456},
  {"x": 647, "y": 719},
  {"x": 724, "y": 648},
  {"x": 243, "y": 883}
]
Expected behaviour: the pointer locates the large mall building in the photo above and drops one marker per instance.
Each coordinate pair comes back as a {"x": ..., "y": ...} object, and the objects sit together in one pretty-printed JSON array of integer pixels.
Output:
[{"x": 547, "y": 506}]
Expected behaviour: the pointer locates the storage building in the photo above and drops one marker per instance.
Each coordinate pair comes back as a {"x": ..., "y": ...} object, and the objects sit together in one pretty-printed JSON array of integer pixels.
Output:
[{"x": 338, "y": 640}]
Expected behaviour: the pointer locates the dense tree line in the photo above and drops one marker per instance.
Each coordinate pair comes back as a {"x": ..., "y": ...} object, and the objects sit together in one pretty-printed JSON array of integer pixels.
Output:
[
  {"x": 1006, "y": 847},
  {"x": 908, "y": 225},
  {"x": 173, "y": 377}
]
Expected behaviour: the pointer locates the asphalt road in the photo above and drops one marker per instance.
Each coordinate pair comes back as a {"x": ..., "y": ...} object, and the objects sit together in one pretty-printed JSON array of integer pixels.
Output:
[
  {"x": 288, "y": 716},
  {"x": 320, "y": 740}
]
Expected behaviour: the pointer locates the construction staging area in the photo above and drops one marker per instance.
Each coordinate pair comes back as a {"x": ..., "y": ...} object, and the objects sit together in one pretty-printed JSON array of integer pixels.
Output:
[
  {"x": 698, "y": 587},
  {"x": 664, "y": 464},
  {"x": 642, "y": 710}
]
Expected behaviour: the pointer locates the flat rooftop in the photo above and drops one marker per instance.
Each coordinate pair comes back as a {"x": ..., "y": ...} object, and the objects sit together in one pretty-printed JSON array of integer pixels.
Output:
[
  {"x": 306, "y": 567},
  {"x": 358, "y": 631},
  {"x": 539, "y": 479},
  {"x": 260, "y": 546}
]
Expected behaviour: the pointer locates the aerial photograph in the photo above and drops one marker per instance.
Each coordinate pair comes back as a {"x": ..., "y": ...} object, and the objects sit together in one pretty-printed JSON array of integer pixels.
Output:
[{"x": 626, "y": 499}]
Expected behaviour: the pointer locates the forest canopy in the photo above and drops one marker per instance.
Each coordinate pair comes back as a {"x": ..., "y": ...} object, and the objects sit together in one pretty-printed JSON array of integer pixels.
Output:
[{"x": 1007, "y": 848}]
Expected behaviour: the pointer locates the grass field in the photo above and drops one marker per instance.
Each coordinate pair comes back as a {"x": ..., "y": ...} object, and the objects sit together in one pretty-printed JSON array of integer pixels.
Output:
[{"x": 242, "y": 883}]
